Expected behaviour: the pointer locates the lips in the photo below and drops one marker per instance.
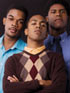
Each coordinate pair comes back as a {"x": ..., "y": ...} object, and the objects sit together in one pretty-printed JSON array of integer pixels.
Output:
[
  {"x": 12, "y": 30},
  {"x": 58, "y": 20},
  {"x": 37, "y": 31}
]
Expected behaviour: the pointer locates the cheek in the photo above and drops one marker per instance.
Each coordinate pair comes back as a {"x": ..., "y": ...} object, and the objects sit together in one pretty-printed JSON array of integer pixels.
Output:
[
  {"x": 20, "y": 27},
  {"x": 50, "y": 20},
  {"x": 6, "y": 26}
]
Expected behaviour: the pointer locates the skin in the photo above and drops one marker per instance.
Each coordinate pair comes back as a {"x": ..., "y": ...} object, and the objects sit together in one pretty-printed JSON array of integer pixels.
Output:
[
  {"x": 13, "y": 23},
  {"x": 57, "y": 19},
  {"x": 36, "y": 33}
]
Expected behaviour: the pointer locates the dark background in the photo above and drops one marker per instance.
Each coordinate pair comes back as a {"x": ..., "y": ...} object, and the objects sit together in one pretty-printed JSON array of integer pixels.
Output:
[{"x": 31, "y": 5}]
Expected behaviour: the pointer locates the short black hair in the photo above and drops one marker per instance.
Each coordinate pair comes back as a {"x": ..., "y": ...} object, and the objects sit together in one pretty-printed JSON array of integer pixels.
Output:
[
  {"x": 18, "y": 7},
  {"x": 62, "y": 2},
  {"x": 33, "y": 14}
]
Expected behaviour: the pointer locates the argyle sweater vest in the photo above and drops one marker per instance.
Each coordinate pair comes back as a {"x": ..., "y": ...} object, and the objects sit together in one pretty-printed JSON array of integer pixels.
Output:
[
  {"x": 34, "y": 66},
  {"x": 29, "y": 68}
]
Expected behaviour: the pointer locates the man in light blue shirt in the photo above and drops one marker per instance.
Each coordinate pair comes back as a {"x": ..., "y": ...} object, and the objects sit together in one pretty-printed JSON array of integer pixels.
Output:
[
  {"x": 57, "y": 17},
  {"x": 11, "y": 42}
]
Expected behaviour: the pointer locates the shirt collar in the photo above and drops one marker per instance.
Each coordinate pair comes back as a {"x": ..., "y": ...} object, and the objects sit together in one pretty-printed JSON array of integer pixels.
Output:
[
  {"x": 1, "y": 41},
  {"x": 63, "y": 36},
  {"x": 18, "y": 45},
  {"x": 34, "y": 50}
]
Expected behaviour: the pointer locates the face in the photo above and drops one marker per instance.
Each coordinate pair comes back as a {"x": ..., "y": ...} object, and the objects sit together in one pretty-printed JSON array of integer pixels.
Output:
[
  {"x": 36, "y": 28},
  {"x": 13, "y": 23},
  {"x": 57, "y": 17}
]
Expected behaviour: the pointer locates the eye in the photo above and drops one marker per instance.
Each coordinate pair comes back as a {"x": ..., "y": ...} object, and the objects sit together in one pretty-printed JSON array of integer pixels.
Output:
[
  {"x": 11, "y": 19},
  {"x": 43, "y": 24},
  {"x": 62, "y": 11},
  {"x": 21, "y": 21},
  {"x": 33, "y": 23},
  {"x": 53, "y": 11}
]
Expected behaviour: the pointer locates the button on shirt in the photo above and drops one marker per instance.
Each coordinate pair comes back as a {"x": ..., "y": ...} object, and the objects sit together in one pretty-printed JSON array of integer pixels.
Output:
[
  {"x": 17, "y": 47},
  {"x": 65, "y": 45}
]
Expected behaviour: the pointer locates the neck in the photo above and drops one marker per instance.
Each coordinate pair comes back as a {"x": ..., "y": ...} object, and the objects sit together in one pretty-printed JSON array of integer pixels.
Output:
[
  {"x": 34, "y": 44},
  {"x": 56, "y": 32},
  {"x": 8, "y": 42}
]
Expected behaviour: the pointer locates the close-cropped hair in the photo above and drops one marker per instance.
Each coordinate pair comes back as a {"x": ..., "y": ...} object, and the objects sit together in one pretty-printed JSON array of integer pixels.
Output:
[
  {"x": 62, "y": 2},
  {"x": 33, "y": 14},
  {"x": 18, "y": 7}
]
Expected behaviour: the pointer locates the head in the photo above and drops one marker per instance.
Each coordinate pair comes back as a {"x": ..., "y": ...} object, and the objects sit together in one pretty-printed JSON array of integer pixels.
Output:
[
  {"x": 14, "y": 21},
  {"x": 57, "y": 15},
  {"x": 36, "y": 28}
]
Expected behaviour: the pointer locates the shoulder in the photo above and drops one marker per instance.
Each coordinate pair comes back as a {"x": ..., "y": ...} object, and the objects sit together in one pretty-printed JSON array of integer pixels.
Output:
[
  {"x": 1, "y": 38},
  {"x": 14, "y": 58},
  {"x": 66, "y": 43},
  {"x": 55, "y": 57},
  {"x": 21, "y": 42}
]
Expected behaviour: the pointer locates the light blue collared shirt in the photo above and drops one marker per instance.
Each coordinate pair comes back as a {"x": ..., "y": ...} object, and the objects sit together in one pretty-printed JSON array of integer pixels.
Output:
[
  {"x": 16, "y": 48},
  {"x": 65, "y": 45}
]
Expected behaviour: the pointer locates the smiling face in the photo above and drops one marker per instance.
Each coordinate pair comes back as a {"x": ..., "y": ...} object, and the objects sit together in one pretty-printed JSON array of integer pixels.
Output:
[
  {"x": 13, "y": 23},
  {"x": 36, "y": 28},
  {"x": 57, "y": 17}
]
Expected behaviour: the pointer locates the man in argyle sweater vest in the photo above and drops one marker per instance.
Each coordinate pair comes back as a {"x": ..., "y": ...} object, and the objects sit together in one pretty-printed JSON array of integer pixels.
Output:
[{"x": 36, "y": 69}]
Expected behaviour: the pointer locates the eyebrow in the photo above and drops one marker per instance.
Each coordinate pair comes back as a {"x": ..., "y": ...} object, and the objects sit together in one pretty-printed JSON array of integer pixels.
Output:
[
  {"x": 41, "y": 21},
  {"x": 13, "y": 16},
  {"x": 56, "y": 9}
]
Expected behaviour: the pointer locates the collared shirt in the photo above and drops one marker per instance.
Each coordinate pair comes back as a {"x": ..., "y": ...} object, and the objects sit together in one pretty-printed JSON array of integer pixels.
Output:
[
  {"x": 16, "y": 48},
  {"x": 50, "y": 44},
  {"x": 34, "y": 50},
  {"x": 65, "y": 45},
  {"x": 66, "y": 55}
]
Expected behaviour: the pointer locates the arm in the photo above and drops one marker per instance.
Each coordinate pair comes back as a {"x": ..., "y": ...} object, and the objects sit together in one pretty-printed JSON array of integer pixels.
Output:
[
  {"x": 20, "y": 86},
  {"x": 58, "y": 77}
]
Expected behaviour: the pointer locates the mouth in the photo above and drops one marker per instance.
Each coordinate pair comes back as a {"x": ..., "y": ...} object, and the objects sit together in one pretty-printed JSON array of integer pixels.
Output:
[
  {"x": 13, "y": 30},
  {"x": 58, "y": 20},
  {"x": 37, "y": 31}
]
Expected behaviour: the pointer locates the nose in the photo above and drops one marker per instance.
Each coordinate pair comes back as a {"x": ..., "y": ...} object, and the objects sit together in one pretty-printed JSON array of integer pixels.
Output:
[
  {"x": 14, "y": 23},
  {"x": 38, "y": 25},
  {"x": 58, "y": 13}
]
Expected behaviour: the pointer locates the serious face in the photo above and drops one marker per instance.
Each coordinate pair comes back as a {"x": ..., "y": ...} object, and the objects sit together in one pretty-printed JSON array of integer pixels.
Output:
[
  {"x": 13, "y": 23},
  {"x": 57, "y": 16},
  {"x": 36, "y": 29}
]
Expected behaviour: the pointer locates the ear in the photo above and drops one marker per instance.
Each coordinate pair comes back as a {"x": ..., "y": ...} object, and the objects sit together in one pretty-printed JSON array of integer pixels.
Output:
[
  {"x": 26, "y": 31},
  {"x": 4, "y": 21},
  {"x": 46, "y": 18}
]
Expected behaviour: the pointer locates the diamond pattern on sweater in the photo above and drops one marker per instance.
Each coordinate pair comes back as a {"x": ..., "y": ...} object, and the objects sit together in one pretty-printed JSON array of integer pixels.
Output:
[
  {"x": 34, "y": 58},
  {"x": 44, "y": 57},
  {"x": 28, "y": 78},
  {"x": 23, "y": 60},
  {"x": 38, "y": 64},
  {"x": 33, "y": 72},
  {"x": 24, "y": 74},
  {"x": 43, "y": 72},
  {"x": 28, "y": 65},
  {"x": 38, "y": 77},
  {"x": 34, "y": 66}
]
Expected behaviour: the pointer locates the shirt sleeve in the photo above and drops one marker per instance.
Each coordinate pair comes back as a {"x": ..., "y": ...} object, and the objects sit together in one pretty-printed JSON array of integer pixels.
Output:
[
  {"x": 17, "y": 87},
  {"x": 57, "y": 75}
]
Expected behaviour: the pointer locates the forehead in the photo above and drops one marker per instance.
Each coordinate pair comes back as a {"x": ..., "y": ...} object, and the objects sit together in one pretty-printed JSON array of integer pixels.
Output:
[
  {"x": 16, "y": 13},
  {"x": 37, "y": 18},
  {"x": 57, "y": 7}
]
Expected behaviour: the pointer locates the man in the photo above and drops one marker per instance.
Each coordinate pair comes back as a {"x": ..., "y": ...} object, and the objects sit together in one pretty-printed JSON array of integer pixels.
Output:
[
  {"x": 58, "y": 12},
  {"x": 11, "y": 42},
  {"x": 35, "y": 70}
]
